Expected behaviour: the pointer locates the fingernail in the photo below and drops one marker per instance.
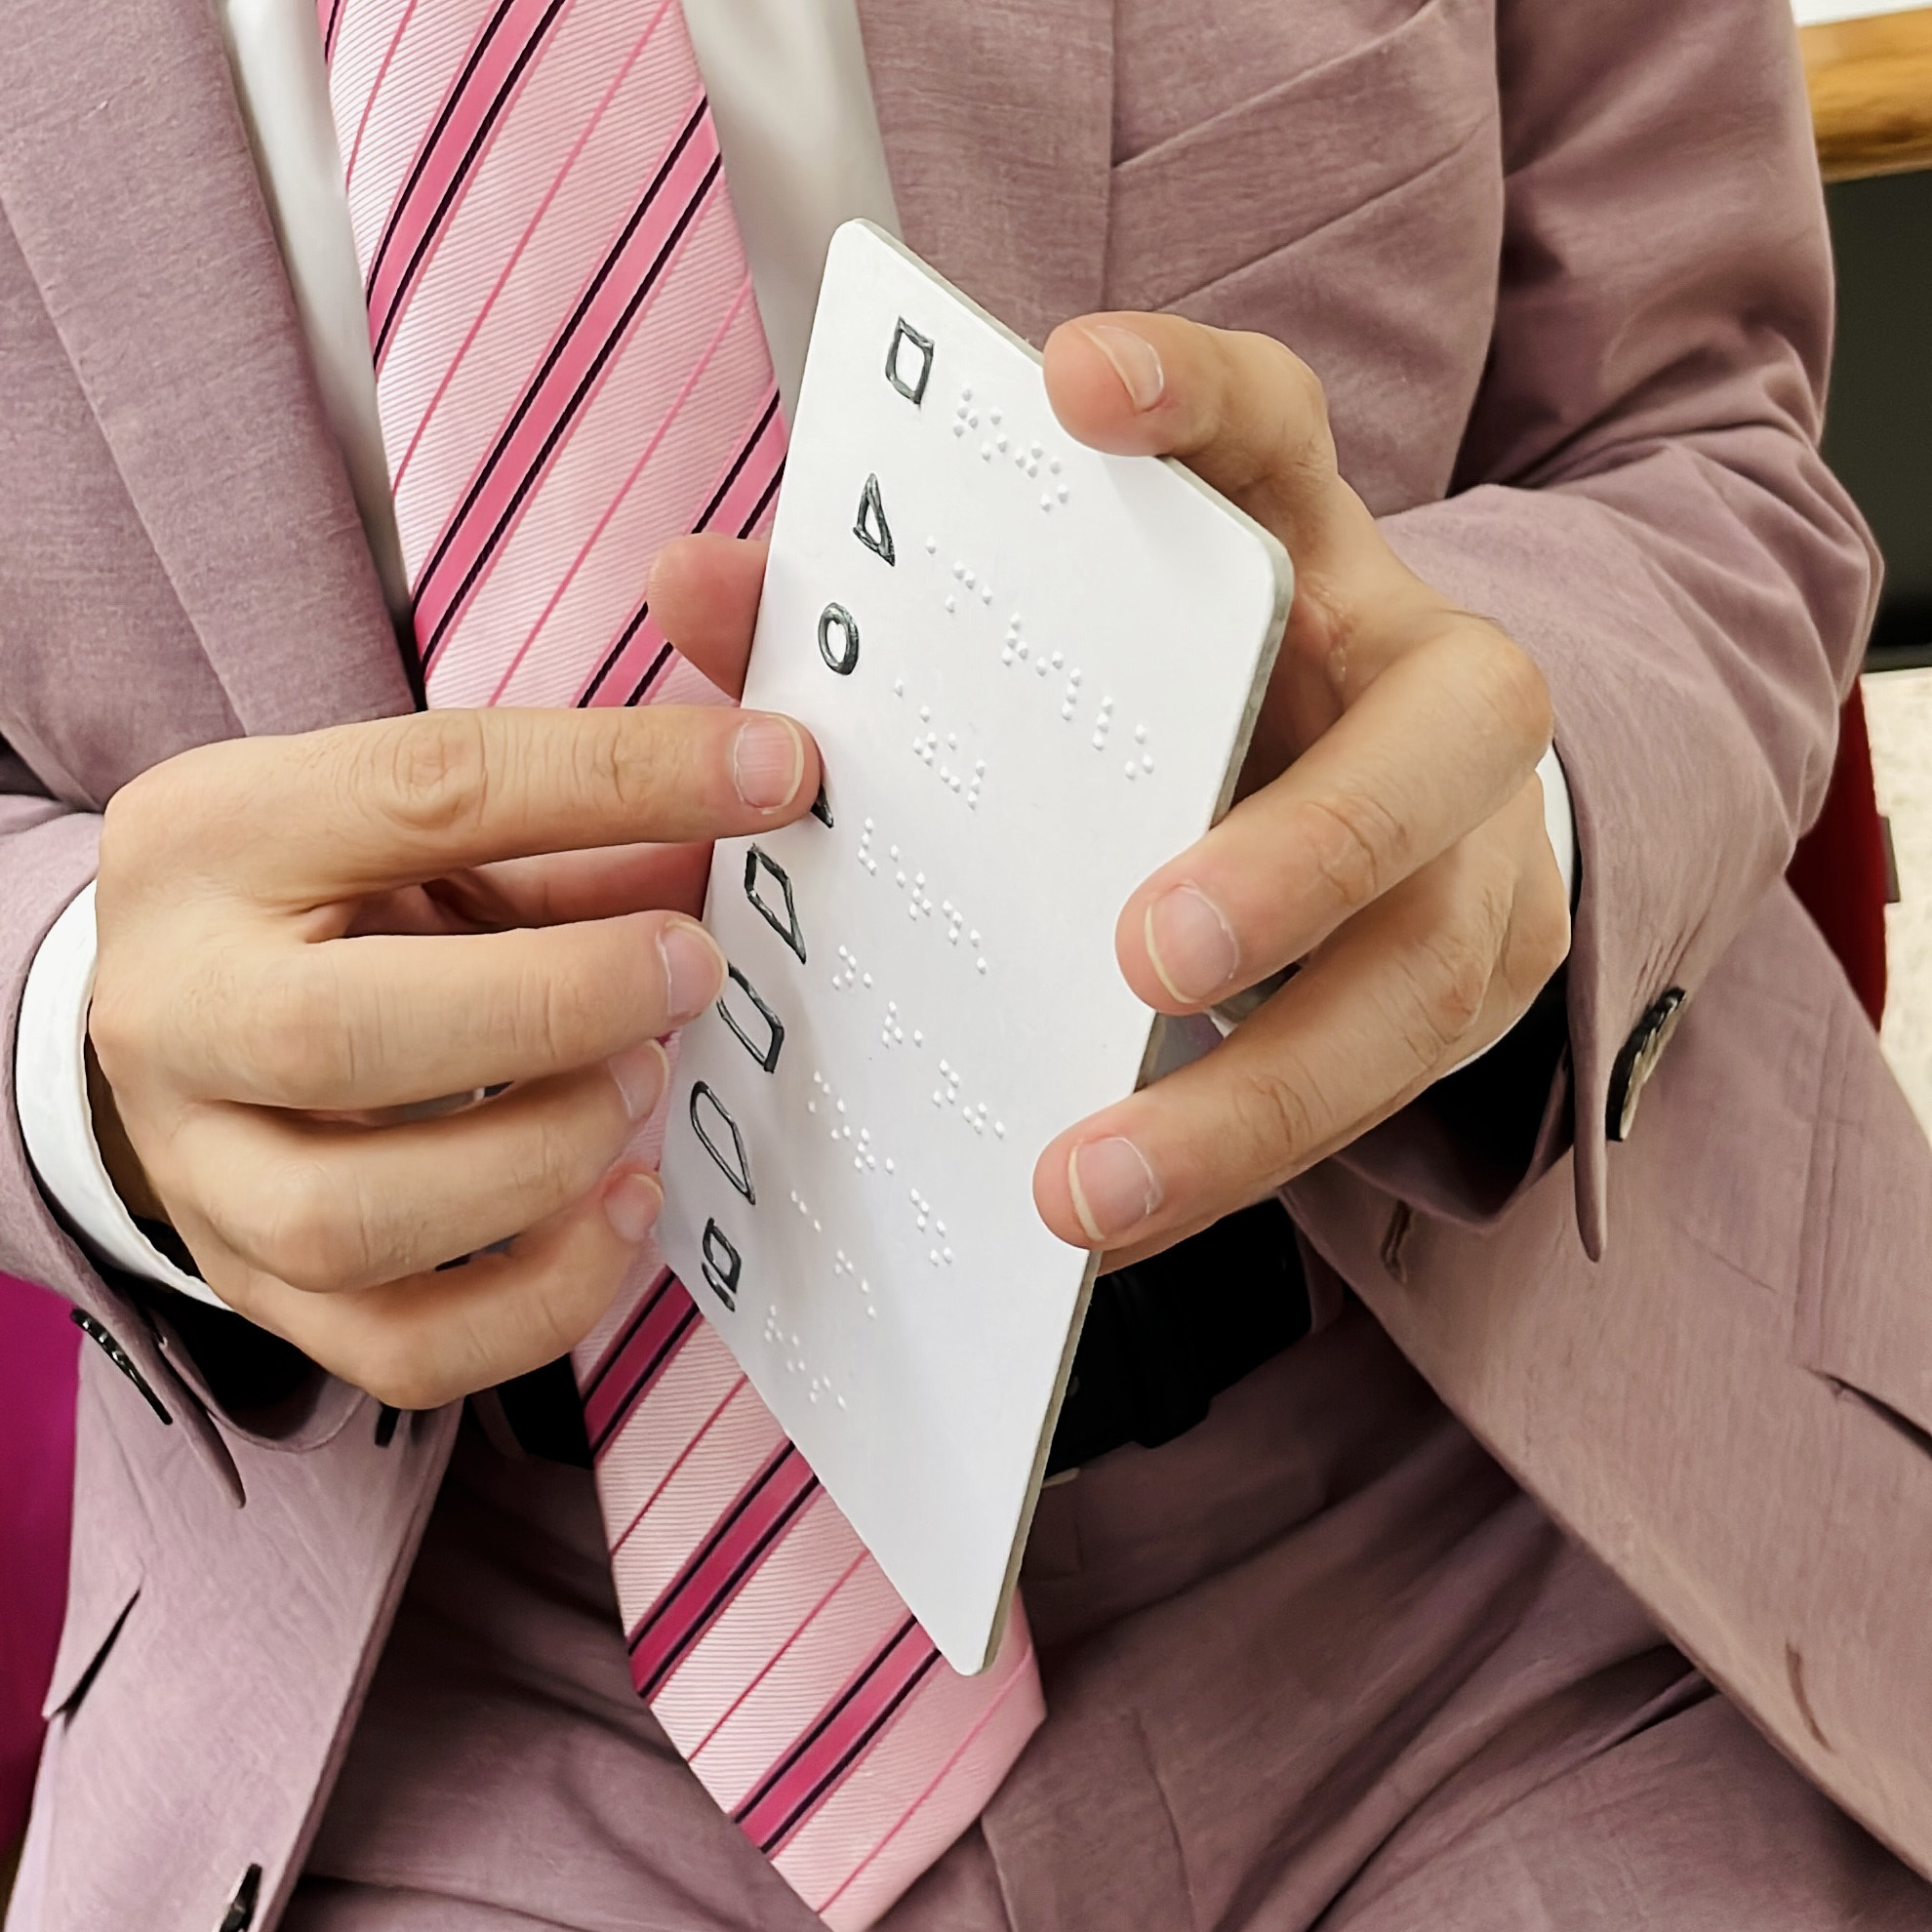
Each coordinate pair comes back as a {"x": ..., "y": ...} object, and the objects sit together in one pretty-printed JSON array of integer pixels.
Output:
[
  {"x": 693, "y": 970},
  {"x": 640, "y": 1073},
  {"x": 767, "y": 761},
  {"x": 632, "y": 1202},
  {"x": 1136, "y": 361},
  {"x": 1189, "y": 944},
  {"x": 1113, "y": 1186}
]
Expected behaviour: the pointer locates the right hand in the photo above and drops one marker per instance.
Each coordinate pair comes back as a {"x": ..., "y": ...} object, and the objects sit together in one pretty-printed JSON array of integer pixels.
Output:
[{"x": 307, "y": 941}]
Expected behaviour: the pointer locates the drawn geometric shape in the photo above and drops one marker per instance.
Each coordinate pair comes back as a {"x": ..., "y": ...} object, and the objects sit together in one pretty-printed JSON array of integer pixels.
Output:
[
  {"x": 720, "y": 1255},
  {"x": 767, "y": 1056},
  {"x": 904, "y": 338},
  {"x": 737, "y": 1171},
  {"x": 845, "y": 658},
  {"x": 871, "y": 528},
  {"x": 758, "y": 860},
  {"x": 820, "y": 809}
]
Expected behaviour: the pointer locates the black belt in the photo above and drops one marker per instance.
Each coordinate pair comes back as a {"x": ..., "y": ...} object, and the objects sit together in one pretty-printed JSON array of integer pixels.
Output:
[{"x": 1163, "y": 1338}]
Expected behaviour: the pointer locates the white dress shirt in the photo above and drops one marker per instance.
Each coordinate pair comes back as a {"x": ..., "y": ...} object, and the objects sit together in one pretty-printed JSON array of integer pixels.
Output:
[{"x": 792, "y": 100}]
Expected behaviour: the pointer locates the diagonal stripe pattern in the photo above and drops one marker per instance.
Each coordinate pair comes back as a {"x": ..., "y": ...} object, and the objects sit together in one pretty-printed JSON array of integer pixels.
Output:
[{"x": 571, "y": 371}]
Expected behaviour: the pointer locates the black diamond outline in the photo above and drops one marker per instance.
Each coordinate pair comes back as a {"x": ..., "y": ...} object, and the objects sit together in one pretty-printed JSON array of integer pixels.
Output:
[
  {"x": 790, "y": 934},
  {"x": 906, "y": 333}
]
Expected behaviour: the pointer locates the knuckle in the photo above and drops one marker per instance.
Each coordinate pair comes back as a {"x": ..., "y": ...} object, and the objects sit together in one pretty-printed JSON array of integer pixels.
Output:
[
  {"x": 386, "y": 1362},
  {"x": 1276, "y": 1113},
  {"x": 1539, "y": 944},
  {"x": 297, "y": 1228},
  {"x": 1515, "y": 689},
  {"x": 290, "y": 1040},
  {"x": 1357, "y": 845},
  {"x": 1444, "y": 984},
  {"x": 428, "y": 774}
]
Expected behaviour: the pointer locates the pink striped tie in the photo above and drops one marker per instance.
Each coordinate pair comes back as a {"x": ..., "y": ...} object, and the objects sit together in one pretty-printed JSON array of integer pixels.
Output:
[{"x": 571, "y": 371}]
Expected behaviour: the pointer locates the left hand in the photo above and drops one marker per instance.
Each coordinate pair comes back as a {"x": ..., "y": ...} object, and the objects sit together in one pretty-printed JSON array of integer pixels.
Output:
[
  {"x": 1389, "y": 835},
  {"x": 1388, "y": 840}
]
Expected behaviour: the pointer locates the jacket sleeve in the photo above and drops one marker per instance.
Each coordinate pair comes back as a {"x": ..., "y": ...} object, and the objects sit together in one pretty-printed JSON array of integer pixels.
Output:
[
  {"x": 1640, "y": 504},
  {"x": 47, "y": 855}
]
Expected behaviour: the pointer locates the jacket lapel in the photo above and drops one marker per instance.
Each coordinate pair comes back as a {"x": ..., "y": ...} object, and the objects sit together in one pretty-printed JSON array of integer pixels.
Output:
[
  {"x": 127, "y": 178},
  {"x": 998, "y": 124}
]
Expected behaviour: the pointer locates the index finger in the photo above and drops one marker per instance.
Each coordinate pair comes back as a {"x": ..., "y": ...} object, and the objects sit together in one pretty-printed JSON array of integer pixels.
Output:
[{"x": 368, "y": 807}]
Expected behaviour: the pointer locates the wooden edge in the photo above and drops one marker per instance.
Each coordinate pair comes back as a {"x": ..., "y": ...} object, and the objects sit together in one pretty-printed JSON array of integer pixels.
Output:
[{"x": 1871, "y": 86}]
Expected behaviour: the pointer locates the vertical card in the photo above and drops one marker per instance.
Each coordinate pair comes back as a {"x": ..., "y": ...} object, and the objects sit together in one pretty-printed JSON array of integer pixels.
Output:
[{"x": 1033, "y": 671}]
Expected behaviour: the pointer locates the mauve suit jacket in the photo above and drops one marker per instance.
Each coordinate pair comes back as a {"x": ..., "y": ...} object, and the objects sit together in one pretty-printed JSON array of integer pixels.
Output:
[{"x": 1562, "y": 267}]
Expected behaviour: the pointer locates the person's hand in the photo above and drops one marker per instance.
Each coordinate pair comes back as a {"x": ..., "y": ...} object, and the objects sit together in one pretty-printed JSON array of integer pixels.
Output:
[
  {"x": 1390, "y": 841},
  {"x": 308, "y": 944}
]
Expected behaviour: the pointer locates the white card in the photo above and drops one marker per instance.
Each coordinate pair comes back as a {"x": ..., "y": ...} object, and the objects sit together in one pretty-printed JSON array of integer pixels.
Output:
[{"x": 1033, "y": 671}]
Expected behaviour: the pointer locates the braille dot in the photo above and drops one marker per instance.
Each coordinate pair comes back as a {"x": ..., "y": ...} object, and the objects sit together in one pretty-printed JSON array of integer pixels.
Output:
[
  {"x": 999, "y": 1128},
  {"x": 1074, "y": 678},
  {"x": 1032, "y": 468},
  {"x": 1053, "y": 465},
  {"x": 1146, "y": 764},
  {"x": 871, "y": 1308},
  {"x": 1067, "y": 712},
  {"x": 966, "y": 394},
  {"x": 952, "y": 741},
  {"x": 986, "y": 451},
  {"x": 889, "y": 1168},
  {"x": 867, "y": 981},
  {"x": 951, "y": 605},
  {"x": 995, "y": 417},
  {"x": 980, "y": 766},
  {"x": 939, "y": 1100},
  {"x": 1021, "y": 647},
  {"x": 1099, "y": 740},
  {"x": 938, "y": 1228},
  {"x": 1059, "y": 659},
  {"x": 985, "y": 593},
  {"x": 933, "y": 1257},
  {"x": 919, "y": 1038},
  {"x": 818, "y": 1226},
  {"x": 925, "y": 714},
  {"x": 932, "y": 546},
  {"x": 969, "y": 580},
  {"x": 1046, "y": 502},
  {"x": 1061, "y": 493},
  {"x": 973, "y": 418},
  {"x": 1140, "y": 734},
  {"x": 898, "y": 878},
  {"x": 1133, "y": 769},
  {"x": 982, "y": 965},
  {"x": 947, "y": 1255},
  {"x": 959, "y": 428},
  {"x": 891, "y": 852},
  {"x": 999, "y": 443},
  {"x": 1040, "y": 666},
  {"x": 1006, "y": 655},
  {"x": 898, "y": 687},
  {"x": 811, "y": 1106}
]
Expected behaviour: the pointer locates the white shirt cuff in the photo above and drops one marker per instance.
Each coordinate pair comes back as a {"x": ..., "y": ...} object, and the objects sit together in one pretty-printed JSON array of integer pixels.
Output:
[{"x": 57, "y": 1123}]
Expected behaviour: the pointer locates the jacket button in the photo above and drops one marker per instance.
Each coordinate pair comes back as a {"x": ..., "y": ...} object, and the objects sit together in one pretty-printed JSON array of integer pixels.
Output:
[
  {"x": 121, "y": 1360},
  {"x": 240, "y": 1914},
  {"x": 1638, "y": 1061}
]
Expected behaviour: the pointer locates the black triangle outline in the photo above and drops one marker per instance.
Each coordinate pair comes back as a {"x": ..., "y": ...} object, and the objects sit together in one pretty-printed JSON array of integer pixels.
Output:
[{"x": 870, "y": 503}]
